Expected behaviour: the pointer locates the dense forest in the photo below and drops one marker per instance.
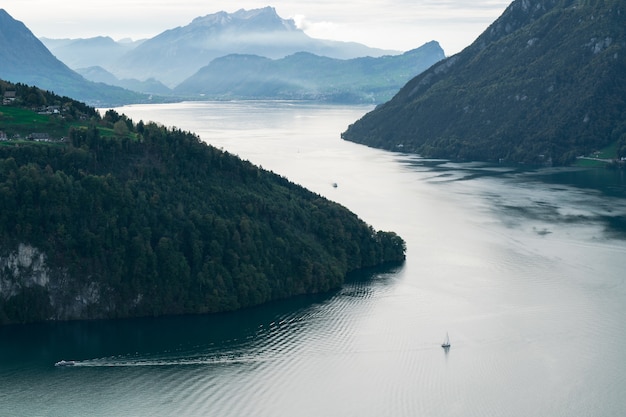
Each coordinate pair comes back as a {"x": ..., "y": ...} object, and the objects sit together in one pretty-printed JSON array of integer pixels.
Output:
[{"x": 149, "y": 220}]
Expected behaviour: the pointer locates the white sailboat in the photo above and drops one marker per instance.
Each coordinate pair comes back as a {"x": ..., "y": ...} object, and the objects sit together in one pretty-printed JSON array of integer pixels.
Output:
[{"x": 446, "y": 341}]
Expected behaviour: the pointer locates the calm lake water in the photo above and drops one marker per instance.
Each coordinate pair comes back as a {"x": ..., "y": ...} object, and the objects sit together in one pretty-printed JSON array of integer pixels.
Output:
[{"x": 524, "y": 268}]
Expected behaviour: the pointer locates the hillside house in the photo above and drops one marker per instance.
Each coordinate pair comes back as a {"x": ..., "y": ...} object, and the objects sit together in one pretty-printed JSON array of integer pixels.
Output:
[
  {"x": 39, "y": 137},
  {"x": 9, "y": 97},
  {"x": 49, "y": 110}
]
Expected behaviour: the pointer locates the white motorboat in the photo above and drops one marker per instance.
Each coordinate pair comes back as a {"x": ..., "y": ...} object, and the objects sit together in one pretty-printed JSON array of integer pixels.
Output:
[{"x": 65, "y": 363}]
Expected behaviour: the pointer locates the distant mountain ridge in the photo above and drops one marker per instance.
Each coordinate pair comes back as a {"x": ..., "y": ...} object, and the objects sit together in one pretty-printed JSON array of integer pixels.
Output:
[
  {"x": 24, "y": 59},
  {"x": 545, "y": 82},
  {"x": 305, "y": 76},
  {"x": 81, "y": 53},
  {"x": 149, "y": 86},
  {"x": 259, "y": 55},
  {"x": 178, "y": 53}
]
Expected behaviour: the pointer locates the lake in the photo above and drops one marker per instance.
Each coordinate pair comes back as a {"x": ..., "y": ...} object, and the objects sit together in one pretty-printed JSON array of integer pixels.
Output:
[{"x": 524, "y": 268}]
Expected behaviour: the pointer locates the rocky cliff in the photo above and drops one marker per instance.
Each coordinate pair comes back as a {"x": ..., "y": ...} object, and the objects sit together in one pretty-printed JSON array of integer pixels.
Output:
[{"x": 27, "y": 280}]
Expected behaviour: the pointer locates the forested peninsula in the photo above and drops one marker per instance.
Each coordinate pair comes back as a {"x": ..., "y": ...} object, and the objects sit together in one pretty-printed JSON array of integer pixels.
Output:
[{"x": 124, "y": 219}]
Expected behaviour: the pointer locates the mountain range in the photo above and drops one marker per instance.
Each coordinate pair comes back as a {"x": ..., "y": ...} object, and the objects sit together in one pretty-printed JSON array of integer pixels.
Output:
[
  {"x": 302, "y": 76},
  {"x": 306, "y": 76},
  {"x": 178, "y": 53},
  {"x": 544, "y": 83},
  {"x": 24, "y": 58},
  {"x": 249, "y": 54}
]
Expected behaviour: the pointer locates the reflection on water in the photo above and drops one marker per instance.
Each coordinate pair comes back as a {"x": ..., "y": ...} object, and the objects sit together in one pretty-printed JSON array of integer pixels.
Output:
[
  {"x": 556, "y": 195},
  {"x": 523, "y": 267}
]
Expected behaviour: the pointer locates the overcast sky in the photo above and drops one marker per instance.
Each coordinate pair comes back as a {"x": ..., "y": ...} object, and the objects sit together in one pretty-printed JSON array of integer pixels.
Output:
[{"x": 390, "y": 24}]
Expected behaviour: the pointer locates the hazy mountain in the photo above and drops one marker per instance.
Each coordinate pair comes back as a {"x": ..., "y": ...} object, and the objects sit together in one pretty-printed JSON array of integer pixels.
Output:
[
  {"x": 24, "y": 59},
  {"x": 81, "y": 53},
  {"x": 178, "y": 53},
  {"x": 545, "y": 82},
  {"x": 100, "y": 75},
  {"x": 307, "y": 76}
]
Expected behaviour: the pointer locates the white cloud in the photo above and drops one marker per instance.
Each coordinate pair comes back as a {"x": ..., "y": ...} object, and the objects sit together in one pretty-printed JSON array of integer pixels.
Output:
[{"x": 320, "y": 29}]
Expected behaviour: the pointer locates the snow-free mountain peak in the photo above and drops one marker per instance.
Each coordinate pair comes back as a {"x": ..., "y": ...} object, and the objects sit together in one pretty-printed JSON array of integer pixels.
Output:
[
  {"x": 176, "y": 54},
  {"x": 264, "y": 19}
]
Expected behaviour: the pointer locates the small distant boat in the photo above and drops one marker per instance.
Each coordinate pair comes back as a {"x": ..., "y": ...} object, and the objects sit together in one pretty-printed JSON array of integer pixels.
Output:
[
  {"x": 446, "y": 342},
  {"x": 65, "y": 363},
  {"x": 334, "y": 185}
]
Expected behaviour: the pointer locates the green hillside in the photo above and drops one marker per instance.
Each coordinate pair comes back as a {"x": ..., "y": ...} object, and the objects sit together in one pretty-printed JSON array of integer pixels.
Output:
[
  {"x": 131, "y": 219},
  {"x": 31, "y": 110},
  {"x": 545, "y": 83}
]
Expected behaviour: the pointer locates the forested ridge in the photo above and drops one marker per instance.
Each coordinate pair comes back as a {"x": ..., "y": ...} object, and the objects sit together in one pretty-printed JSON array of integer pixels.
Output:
[
  {"x": 153, "y": 221},
  {"x": 545, "y": 83}
]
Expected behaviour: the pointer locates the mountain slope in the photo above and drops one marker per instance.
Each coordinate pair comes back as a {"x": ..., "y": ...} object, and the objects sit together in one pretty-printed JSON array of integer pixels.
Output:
[
  {"x": 307, "y": 76},
  {"x": 176, "y": 54},
  {"x": 24, "y": 59},
  {"x": 544, "y": 83}
]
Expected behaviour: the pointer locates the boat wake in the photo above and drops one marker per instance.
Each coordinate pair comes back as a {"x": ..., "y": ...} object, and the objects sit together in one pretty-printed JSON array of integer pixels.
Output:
[{"x": 171, "y": 361}]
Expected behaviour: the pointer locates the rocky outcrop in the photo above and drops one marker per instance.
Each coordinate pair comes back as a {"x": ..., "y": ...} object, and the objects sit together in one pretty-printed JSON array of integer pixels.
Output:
[
  {"x": 24, "y": 267},
  {"x": 24, "y": 270}
]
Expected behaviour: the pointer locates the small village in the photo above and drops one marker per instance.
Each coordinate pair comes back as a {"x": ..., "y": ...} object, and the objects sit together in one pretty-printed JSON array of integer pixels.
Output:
[{"x": 9, "y": 98}]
